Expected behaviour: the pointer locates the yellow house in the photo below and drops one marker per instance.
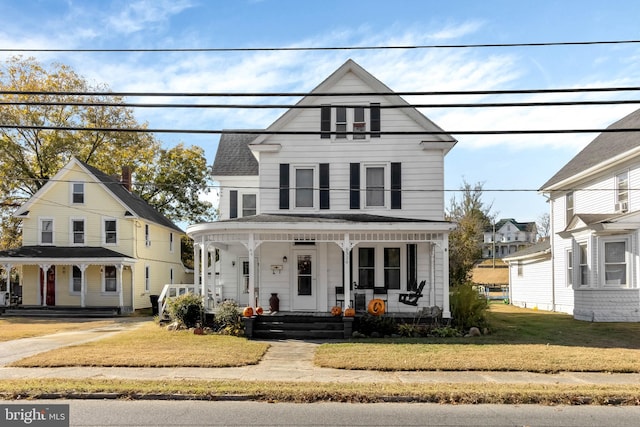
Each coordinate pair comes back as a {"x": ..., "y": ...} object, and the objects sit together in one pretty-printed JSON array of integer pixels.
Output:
[{"x": 88, "y": 241}]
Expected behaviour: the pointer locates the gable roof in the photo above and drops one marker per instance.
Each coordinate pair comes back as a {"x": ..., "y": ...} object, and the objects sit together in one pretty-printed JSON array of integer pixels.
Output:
[
  {"x": 376, "y": 87},
  {"x": 521, "y": 226},
  {"x": 604, "y": 149},
  {"x": 233, "y": 157},
  {"x": 131, "y": 202}
]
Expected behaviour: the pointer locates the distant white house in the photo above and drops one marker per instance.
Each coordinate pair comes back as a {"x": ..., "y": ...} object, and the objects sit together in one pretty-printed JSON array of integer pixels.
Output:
[
  {"x": 506, "y": 237},
  {"x": 594, "y": 270},
  {"x": 338, "y": 202}
]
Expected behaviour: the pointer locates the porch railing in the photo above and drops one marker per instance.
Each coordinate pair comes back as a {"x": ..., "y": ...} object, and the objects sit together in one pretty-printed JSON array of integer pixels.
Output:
[{"x": 171, "y": 291}]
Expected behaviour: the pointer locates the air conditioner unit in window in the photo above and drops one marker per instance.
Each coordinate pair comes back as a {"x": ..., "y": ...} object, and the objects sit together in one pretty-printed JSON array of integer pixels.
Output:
[{"x": 621, "y": 207}]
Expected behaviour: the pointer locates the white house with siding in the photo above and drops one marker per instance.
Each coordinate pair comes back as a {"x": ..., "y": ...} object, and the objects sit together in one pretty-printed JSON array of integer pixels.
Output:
[
  {"x": 338, "y": 202},
  {"x": 90, "y": 242},
  {"x": 530, "y": 277},
  {"x": 595, "y": 222}
]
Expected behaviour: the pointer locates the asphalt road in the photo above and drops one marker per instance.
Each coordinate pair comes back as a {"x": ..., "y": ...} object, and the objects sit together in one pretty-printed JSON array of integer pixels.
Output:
[{"x": 198, "y": 413}]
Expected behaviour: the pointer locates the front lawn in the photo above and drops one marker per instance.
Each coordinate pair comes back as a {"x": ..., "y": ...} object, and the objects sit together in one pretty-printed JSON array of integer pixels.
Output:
[
  {"x": 153, "y": 346},
  {"x": 13, "y": 328},
  {"x": 520, "y": 340}
]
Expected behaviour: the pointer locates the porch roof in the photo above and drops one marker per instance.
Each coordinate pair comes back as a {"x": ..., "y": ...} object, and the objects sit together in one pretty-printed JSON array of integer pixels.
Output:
[
  {"x": 322, "y": 227},
  {"x": 63, "y": 255}
]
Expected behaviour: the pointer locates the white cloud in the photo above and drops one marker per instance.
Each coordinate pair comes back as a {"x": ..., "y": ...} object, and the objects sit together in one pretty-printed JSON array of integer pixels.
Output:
[{"x": 141, "y": 14}]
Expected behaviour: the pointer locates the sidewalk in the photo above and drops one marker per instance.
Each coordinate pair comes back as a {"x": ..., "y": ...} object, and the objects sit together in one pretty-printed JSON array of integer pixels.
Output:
[{"x": 286, "y": 360}]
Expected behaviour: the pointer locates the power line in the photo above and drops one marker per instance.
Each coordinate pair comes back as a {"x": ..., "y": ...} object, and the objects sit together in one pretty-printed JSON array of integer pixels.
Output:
[
  {"x": 324, "y": 94},
  {"x": 329, "y": 48},
  {"x": 296, "y": 106},
  {"x": 268, "y": 132}
]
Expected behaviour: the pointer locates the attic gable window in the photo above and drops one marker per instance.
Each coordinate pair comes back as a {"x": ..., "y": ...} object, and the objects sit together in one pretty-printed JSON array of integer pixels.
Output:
[
  {"x": 77, "y": 192},
  {"x": 350, "y": 123}
]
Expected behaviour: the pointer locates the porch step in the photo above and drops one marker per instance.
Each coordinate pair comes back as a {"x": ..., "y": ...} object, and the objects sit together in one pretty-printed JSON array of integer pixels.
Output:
[
  {"x": 93, "y": 312},
  {"x": 296, "y": 326}
]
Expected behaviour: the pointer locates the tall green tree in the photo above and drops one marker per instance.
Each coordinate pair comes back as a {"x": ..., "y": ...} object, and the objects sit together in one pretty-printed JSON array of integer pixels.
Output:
[
  {"x": 171, "y": 180},
  {"x": 472, "y": 216}
]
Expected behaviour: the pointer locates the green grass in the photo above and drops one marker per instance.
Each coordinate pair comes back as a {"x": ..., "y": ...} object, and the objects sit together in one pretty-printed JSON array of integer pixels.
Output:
[{"x": 520, "y": 340}]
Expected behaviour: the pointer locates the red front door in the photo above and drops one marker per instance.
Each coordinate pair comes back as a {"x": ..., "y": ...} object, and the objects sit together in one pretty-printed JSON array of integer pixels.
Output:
[{"x": 48, "y": 287}]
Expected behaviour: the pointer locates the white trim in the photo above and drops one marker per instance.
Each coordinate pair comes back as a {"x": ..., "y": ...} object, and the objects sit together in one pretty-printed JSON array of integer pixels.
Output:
[
  {"x": 314, "y": 187},
  {"x": 72, "y": 193},
  {"x": 627, "y": 261},
  {"x": 147, "y": 278},
  {"x": 386, "y": 191}
]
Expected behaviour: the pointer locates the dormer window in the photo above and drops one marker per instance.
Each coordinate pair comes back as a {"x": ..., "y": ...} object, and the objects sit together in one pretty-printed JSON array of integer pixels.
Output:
[{"x": 351, "y": 123}]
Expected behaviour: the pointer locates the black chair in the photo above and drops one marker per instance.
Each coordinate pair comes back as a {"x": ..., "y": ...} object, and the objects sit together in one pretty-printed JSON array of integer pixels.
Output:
[
  {"x": 380, "y": 292},
  {"x": 412, "y": 298}
]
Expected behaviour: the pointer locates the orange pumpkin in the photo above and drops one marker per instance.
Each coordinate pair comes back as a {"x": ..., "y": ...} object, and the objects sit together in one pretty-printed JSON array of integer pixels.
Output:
[
  {"x": 247, "y": 312},
  {"x": 259, "y": 310},
  {"x": 349, "y": 312},
  {"x": 376, "y": 307},
  {"x": 336, "y": 310}
]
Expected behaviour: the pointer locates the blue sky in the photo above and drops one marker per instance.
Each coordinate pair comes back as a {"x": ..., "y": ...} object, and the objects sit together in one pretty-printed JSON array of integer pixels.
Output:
[{"x": 504, "y": 162}]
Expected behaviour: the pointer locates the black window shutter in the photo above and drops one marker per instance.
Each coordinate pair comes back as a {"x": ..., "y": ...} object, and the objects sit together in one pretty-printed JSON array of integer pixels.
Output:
[
  {"x": 375, "y": 120},
  {"x": 354, "y": 186},
  {"x": 233, "y": 204},
  {"x": 396, "y": 186},
  {"x": 284, "y": 186},
  {"x": 324, "y": 185},
  {"x": 325, "y": 121}
]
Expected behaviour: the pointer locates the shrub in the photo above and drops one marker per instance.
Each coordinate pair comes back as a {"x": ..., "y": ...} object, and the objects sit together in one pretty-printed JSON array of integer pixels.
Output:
[
  {"x": 376, "y": 325},
  {"x": 187, "y": 310},
  {"x": 468, "y": 307},
  {"x": 228, "y": 320}
]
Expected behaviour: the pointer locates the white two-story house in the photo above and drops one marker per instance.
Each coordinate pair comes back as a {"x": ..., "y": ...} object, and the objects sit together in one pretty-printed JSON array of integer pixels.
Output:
[
  {"x": 506, "y": 237},
  {"x": 338, "y": 202},
  {"x": 595, "y": 219},
  {"x": 89, "y": 242}
]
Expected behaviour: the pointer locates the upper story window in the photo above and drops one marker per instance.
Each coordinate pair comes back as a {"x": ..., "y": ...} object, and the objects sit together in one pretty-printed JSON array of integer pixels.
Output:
[
  {"x": 110, "y": 231},
  {"x": 46, "y": 231},
  {"x": 77, "y": 192},
  {"x": 77, "y": 230},
  {"x": 375, "y": 178},
  {"x": 147, "y": 235},
  {"x": 622, "y": 192},
  {"x": 359, "y": 120},
  {"x": 304, "y": 187},
  {"x": 248, "y": 204},
  {"x": 569, "y": 209},
  {"x": 170, "y": 242},
  {"x": 569, "y": 257}
]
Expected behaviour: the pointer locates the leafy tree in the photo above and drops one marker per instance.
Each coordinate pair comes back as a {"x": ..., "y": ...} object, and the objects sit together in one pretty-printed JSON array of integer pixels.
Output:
[
  {"x": 169, "y": 179},
  {"x": 472, "y": 217}
]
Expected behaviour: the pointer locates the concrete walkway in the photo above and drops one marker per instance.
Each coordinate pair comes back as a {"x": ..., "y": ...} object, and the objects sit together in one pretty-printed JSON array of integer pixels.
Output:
[{"x": 286, "y": 360}]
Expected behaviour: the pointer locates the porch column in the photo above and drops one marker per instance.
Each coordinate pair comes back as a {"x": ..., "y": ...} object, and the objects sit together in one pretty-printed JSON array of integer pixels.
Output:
[
  {"x": 446, "y": 310},
  {"x": 83, "y": 284},
  {"x": 120, "y": 290},
  {"x": 204, "y": 271},
  {"x": 43, "y": 284},
  {"x": 7, "y": 268},
  {"x": 196, "y": 265},
  {"x": 251, "y": 246},
  {"x": 347, "y": 246}
]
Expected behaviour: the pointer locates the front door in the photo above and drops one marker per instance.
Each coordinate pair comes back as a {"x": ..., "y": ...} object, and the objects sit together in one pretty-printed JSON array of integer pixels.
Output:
[
  {"x": 48, "y": 287},
  {"x": 305, "y": 289}
]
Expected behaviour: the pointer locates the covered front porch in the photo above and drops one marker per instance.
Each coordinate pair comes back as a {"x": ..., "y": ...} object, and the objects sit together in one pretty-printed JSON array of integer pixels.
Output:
[
  {"x": 311, "y": 263},
  {"x": 68, "y": 277}
]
